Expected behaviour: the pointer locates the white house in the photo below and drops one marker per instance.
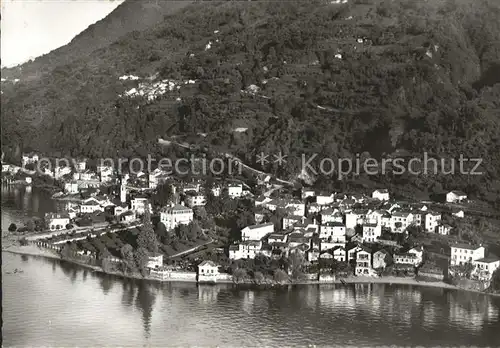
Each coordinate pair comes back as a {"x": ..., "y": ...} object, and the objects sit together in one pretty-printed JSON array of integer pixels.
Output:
[
  {"x": 256, "y": 232},
  {"x": 400, "y": 221},
  {"x": 71, "y": 187},
  {"x": 216, "y": 190},
  {"x": 418, "y": 252},
  {"x": 245, "y": 250},
  {"x": 139, "y": 205},
  {"x": 484, "y": 268},
  {"x": 333, "y": 231},
  {"x": 56, "y": 221},
  {"x": 277, "y": 238},
  {"x": 364, "y": 262},
  {"x": 354, "y": 218},
  {"x": 235, "y": 190},
  {"x": 90, "y": 206},
  {"x": 29, "y": 158},
  {"x": 325, "y": 198},
  {"x": 408, "y": 259},
  {"x": 432, "y": 220},
  {"x": 444, "y": 229},
  {"x": 155, "y": 261},
  {"x": 463, "y": 253},
  {"x": 194, "y": 199},
  {"x": 455, "y": 196},
  {"x": 381, "y": 195},
  {"x": 176, "y": 215},
  {"x": 351, "y": 253},
  {"x": 371, "y": 232},
  {"x": 308, "y": 192},
  {"x": 339, "y": 254},
  {"x": 458, "y": 213},
  {"x": 208, "y": 271}
]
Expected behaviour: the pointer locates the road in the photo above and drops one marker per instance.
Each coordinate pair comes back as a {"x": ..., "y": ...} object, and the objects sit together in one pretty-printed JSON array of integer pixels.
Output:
[
  {"x": 192, "y": 250},
  {"x": 97, "y": 227},
  {"x": 227, "y": 155}
]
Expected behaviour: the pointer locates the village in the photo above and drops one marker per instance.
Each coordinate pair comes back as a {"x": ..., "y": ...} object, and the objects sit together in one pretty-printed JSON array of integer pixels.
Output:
[{"x": 301, "y": 235}]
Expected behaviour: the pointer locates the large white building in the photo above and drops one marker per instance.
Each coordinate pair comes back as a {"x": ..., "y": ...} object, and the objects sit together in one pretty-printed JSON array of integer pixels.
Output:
[
  {"x": 176, "y": 215},
  {"x": 56, "y": 221},
  {"x": 333, "y": 231},
  {"x": 245, "y": 250},
  {"x": 256, "y": 232},
  {"x": 463, "y": 253}
]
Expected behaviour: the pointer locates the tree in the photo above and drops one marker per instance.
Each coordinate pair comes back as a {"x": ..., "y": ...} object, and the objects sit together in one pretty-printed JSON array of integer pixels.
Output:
[
  {"x": 68, "y": 251},
  {"x": 12, "y": 227},
  {"x": 141, "y": 256},
  {"x": 495, "y": 280},
  {"x": 147, "y": 237},
  {"x": 280, "y": 276},
  {"x": 164, "y": 194},
  {"x": 240, "y": 274},
  {"x": 258, "y": 277},
  {"x": 30, "y": 225},
  {"x": 296, "y": 261},
  {"x": 127, "y": 253}
]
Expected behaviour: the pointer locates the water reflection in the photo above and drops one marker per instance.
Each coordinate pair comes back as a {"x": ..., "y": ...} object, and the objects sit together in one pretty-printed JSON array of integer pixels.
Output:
[
  {"x": 183, "y": 314},
  {"x": 146, "y": 296},
  {"x": 207, "y": 294}
]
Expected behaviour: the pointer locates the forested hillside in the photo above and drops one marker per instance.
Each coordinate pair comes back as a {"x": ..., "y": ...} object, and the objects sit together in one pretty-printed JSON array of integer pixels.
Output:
[
  {"x": 367, "y": 76},
  {"x": 128, "y": 16}
]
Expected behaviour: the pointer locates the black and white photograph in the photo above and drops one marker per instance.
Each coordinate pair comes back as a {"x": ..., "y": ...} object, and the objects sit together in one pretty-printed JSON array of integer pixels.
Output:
[{"x": 250, "y": 173}]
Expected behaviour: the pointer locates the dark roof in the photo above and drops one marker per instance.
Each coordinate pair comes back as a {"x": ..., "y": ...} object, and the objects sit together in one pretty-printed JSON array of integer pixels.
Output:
[{"x": 489, "y": 259}]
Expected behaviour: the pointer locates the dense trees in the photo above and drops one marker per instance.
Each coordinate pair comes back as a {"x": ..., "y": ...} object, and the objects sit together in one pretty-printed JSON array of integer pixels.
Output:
[{"x": 418, "y": 82}]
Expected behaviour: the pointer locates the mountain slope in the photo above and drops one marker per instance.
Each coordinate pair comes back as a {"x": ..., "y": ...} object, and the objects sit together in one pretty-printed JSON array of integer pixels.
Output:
[
  {"x": 129, "y": 16},
  {"x": 301, "y": 77}
]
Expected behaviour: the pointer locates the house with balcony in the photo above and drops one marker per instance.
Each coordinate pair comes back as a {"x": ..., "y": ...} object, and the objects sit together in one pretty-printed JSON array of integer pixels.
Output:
[
  {"x": 324, "y": 198},
  {"x": 465, "y": 253},
  {"x": 364, "y": 262},
  {"x": 339, "y": 253},
  {"x": 351, "y": 252},
  {"x": 140, "y": 204},
  {"x": 406, "y": 259},
  {"x": 245, "y": 250},
  {"x": 290, "y": 221},
  {"x": 484, "y": 268},
  {"x": 195, "y": 199}
]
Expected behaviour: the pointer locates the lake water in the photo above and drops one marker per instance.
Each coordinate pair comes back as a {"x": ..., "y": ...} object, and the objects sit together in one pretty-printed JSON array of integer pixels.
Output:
[{"x": 54, "y": 303}]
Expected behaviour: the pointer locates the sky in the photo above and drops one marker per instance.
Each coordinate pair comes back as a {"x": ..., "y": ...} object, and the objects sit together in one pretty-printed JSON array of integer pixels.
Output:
[{"x": 31, "y": 28}]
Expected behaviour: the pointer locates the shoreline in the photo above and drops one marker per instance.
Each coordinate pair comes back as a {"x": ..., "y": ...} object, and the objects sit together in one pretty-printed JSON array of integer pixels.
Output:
[{"x": 389, "y": 280}]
